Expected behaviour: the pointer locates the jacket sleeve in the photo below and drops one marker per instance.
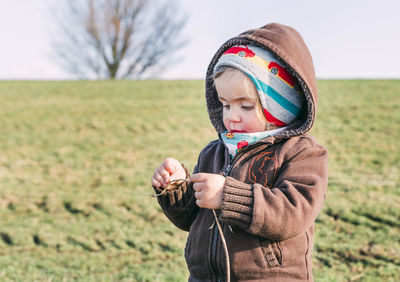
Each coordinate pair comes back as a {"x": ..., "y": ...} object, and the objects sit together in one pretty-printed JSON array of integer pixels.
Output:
[
  {"x": 179, "y": 204},
  {"x": 290, "y": 206}
]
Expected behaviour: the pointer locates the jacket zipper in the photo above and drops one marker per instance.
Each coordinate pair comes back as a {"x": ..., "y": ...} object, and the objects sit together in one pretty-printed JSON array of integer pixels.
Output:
[
  {"x": 214, "y": 252},
  {"x": 215, "y": 235}
]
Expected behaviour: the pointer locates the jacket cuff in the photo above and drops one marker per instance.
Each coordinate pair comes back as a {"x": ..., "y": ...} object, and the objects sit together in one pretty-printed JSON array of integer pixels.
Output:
[{"x": 237, "y": 203}]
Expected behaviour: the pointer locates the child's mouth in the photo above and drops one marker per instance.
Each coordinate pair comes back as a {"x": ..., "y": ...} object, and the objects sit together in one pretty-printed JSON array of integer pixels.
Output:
[{"x": 238, "y": 131}]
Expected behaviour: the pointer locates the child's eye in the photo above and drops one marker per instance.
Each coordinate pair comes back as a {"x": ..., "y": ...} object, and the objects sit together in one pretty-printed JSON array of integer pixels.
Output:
[
  {"x": 227, "y": 107},
  {"x": 247, "y": 108}
]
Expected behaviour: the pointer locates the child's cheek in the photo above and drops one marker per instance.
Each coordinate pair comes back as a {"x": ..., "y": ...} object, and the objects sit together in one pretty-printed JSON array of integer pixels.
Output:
[{"x": 225, "y": 121}]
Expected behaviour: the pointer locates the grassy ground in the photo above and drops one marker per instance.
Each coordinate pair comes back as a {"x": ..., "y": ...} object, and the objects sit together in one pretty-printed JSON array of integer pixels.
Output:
[{"x": 76, "y": 159}]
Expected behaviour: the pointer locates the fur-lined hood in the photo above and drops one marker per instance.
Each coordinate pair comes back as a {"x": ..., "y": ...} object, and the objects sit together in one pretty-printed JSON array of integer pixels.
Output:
[{"x": 288, "y": 45}]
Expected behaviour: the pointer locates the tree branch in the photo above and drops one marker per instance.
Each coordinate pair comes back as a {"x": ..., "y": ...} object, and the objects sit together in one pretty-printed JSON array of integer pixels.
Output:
[{"x": 117, "y": 38}]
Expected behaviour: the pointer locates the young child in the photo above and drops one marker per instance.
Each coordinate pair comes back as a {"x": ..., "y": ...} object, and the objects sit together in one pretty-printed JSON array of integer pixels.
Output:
[{"x": 265, "y": 176}]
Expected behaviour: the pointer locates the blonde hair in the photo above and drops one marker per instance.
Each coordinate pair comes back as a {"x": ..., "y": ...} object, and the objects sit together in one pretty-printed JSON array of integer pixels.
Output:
[{"x": 250, "y": 87}]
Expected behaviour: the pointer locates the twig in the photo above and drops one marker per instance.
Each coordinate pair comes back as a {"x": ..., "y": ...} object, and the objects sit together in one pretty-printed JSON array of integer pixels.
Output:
[
  {"x": 180, "y": 181},
  {"x": 169, "y": 186},
  {"x": 228, "y": 268}
]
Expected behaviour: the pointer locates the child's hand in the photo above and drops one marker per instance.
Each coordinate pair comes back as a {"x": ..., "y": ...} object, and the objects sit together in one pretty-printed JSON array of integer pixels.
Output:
[
  {"x": 169, "y": 170},
  {"x": 209, "y": 188}
]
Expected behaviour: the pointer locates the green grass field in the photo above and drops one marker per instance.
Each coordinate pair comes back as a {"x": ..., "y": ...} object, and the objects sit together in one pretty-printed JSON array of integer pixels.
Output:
[{"x": 76, "y": 160}]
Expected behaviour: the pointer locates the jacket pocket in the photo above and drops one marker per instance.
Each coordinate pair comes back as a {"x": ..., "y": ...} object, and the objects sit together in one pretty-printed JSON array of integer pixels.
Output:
[{"x": 272, "y": 252}]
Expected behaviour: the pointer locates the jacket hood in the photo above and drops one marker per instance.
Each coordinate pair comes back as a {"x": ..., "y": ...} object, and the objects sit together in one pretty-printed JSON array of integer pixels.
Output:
[{"x": 288, "y": 45}]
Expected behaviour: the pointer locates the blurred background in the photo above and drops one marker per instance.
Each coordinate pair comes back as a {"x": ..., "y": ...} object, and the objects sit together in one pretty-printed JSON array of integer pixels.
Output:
[
  {"x": 95, "y": 95},
  {"x": 348, "y": 39}
]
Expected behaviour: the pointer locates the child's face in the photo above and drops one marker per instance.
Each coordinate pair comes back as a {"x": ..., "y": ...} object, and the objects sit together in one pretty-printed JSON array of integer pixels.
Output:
[{"x": 239, "y": 98}]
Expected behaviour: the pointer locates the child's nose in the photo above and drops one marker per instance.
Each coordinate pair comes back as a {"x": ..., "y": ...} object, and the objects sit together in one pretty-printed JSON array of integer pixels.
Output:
[{"x": 234, "y": 116}]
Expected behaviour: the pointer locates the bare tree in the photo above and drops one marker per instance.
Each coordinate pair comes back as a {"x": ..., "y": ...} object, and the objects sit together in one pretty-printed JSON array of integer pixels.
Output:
[{"x": 116, "y": 38}]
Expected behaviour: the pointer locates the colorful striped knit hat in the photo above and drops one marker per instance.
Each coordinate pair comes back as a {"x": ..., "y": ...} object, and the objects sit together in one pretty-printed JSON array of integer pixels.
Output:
[{"x": 281, "y": 102}]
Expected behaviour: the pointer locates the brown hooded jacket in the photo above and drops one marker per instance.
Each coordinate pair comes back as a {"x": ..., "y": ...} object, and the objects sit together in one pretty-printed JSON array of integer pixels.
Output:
[{"x": 274, "y": 189}]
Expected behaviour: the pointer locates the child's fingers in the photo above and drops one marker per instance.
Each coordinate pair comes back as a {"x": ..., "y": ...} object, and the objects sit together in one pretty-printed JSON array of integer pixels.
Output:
[
  {"x": 198, "y": 177},
  {"x": 155, "y": 183},
  {"x": 201, "y": 204},
  {"x": 171, "y": 165},
  {"x": 198, "y": 195},
  {"x": 165, "y": 176},
  {"x": 163, "y": 173},
  {"x": 196, "y": 186},
  {"x": 161, "y": 176},
  {"x": 199, "y": 198},
  {"x": 157, "y": 177}
]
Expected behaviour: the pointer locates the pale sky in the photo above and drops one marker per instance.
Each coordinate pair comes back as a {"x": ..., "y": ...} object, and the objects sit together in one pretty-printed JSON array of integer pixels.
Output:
[{"x": 347, "y": 38}]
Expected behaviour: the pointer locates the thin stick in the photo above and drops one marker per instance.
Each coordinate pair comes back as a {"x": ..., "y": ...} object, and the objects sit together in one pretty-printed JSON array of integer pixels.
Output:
[
  {"x": 228, "y": 268},
  {"x": 168, "y": 187}
]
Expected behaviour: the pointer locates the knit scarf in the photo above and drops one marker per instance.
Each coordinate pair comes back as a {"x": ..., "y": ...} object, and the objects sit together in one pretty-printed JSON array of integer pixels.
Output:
[{"x": 235, "y": 142}]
